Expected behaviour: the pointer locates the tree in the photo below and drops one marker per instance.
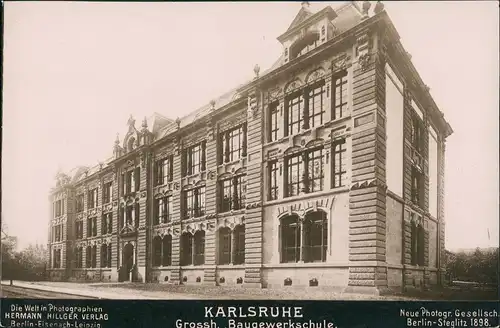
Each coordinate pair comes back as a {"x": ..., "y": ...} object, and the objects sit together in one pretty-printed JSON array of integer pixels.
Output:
[{"x": 479, "y": 265}]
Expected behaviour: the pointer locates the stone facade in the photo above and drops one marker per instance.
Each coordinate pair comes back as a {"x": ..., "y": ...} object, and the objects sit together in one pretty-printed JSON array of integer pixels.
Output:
[{"x": 280, "y": 182}]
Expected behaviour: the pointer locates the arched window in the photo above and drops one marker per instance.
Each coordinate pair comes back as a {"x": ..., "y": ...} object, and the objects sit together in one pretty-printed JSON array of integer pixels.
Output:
[
  {"x": 94, "y": 256},
  {"x": 167, "y": 251},
  {"x": 88, "y": 257},
  {"x": 110, "y": 254},
  {"x": 239, "y": 244},
  {"x": 186, "y": 249},
  {"x": 315, "y": 237},
  {"x": 421, "y": 245},
  {"x": 78, "y": 257},
  {"x": 157, "y": 248},
  {"x": 224, "y": 246},
  {"x": 414, "y": 243},
  {"x": 199, "y": 248},
  {"x": 104, "y": 255},
  {"x": 290, "y": 239}
]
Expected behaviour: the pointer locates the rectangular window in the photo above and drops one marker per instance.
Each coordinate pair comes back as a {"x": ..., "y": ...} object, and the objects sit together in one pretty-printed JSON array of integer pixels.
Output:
[
  {"x": 58, "y": 208},
  {"x": 417, "y": 133},
  {"x": 232, "y": 194},
  {"x": 239, "y": 243},
  {"x": 315, "y": 104},
  {"x": 78, "y": 258},
  {"x": 80, "y": 203},
  {"x": 417, "y": 186},
  {"x": 186, "y": 251},
  {"x": 130, "y": 215},
  {"x": 339, "y": 95},
  {"x": 107, "y": 223},
  {"x": 57, "y": 258},
  {"x": 107, "y": 192},
  {"x": 92, "y": 198},
  {"x": 199, "y": 248},
  {"x": 232, "y": 144},
  {"x": 273, "y": 180},
  {"x": 58, "y": 233},
  {"x": 164, "y": 170},
  {"x": 194, "y": 159},
  {"x": 294, "y": 175},
  {"x": 88, "y": 257},
  {"x": 194, "y": 202},
  {"x": 417, "y": 243},
  {"x": 339, "y": 169},
  {"x": 273, "y": 121},
  {"x": 304, "y": 173},
  {"x": 79, "y": 229},
  {"x": 224, "y": 246},
  {"x": 294, "y": 108},
  {"x": 162, "y": 210},
  {"x": 94, "y": 257},
  {"x": 131, "y": 181}
]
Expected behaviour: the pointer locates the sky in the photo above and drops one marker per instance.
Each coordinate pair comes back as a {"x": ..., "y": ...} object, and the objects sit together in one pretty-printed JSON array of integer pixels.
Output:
[{"x": 75, "y": 71}]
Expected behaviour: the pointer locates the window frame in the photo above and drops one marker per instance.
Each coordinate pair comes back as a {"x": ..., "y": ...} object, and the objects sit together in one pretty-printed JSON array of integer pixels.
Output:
[
  {"x": 273, "y": 172},
  {"x": 225, "y": 240},
  {"x": 299, "y": 164},
  {"x": 194, "y": 159},
  {"x": 239, "y": 244},
  {"x": 194, "y": 197},
  {"x": 340, "y": 81},
  {"x": 273, "y": 116},
  {"x": 338, "y": 173},
  {"x": 107, "y": 192},
  {"x": 286, "y": 230}
]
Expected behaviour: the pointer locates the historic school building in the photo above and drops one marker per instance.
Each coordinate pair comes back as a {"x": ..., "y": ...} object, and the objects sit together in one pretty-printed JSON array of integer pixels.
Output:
[{"x": 325, "y": 170}]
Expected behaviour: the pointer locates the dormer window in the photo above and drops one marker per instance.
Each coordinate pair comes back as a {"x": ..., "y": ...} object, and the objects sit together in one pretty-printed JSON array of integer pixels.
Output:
[{"x": 305, "y": 44}]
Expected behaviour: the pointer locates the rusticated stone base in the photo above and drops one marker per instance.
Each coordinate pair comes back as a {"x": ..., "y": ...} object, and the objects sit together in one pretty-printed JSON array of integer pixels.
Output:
[
  {"x": 253, "y": 277},
  {"x": 175, "y": 276},
  {"x": 368, "y": 277},
  {"x": 368, "y": 290},
  {"x": 209, "y": 277}
]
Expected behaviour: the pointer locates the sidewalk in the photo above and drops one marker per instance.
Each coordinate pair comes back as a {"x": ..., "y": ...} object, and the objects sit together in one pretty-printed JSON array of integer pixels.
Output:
[{"x": 93, "y": 291}]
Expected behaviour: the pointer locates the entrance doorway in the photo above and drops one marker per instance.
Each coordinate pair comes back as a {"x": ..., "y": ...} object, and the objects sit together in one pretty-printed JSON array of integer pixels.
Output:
[{"x": 128, "y": 261}]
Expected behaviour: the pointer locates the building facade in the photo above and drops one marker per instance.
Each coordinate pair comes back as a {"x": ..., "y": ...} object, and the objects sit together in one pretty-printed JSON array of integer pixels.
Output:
[{"x": 325, "y": 170}]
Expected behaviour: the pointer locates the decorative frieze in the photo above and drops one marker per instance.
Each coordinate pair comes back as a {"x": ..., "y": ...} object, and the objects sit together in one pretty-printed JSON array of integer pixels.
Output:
[{"x": 192, "y": 228}]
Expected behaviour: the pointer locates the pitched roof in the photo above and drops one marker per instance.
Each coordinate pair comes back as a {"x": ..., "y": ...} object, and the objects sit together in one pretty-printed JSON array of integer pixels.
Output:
[{"x": 303, "y": 14}]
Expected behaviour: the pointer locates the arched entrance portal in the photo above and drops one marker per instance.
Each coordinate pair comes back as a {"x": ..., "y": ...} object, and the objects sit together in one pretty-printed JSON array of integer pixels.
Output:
[{"x": 127, "y": 262}]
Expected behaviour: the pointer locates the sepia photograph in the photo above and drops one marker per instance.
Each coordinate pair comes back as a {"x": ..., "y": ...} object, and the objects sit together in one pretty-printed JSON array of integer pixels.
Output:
[{"x": 249, "y": 151}]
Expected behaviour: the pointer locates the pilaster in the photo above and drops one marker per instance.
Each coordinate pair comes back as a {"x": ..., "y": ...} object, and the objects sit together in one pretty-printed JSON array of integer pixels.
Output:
[
  {"x": 367, "y": 196},
  {"x": 253, "y": 216}
]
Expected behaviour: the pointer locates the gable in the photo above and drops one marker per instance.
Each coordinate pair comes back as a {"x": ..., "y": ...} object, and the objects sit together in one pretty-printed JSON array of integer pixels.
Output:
[{"x": 302, "y": 15}]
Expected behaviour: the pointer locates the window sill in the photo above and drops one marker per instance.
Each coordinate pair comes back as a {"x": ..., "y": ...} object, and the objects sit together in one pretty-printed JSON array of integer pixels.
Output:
[
  {"x": 233, "y": 162},
  {"x": 194, "y": 267},
  {"x": 166, "y": 267},
  {"x": 231, "y": 266},
  {"x": 293, "y": 265},
  {"x": 194, "y": 175},
  {"x": 231, "y": 213},
  {"x": 346, "y": 117},
  {"x": 194, "y": 219},
  {"x": 337, "y": 190}
]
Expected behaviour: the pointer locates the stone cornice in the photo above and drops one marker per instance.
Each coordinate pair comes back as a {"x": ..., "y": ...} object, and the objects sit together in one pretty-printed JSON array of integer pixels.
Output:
[{"x": 414, "y": 81}]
